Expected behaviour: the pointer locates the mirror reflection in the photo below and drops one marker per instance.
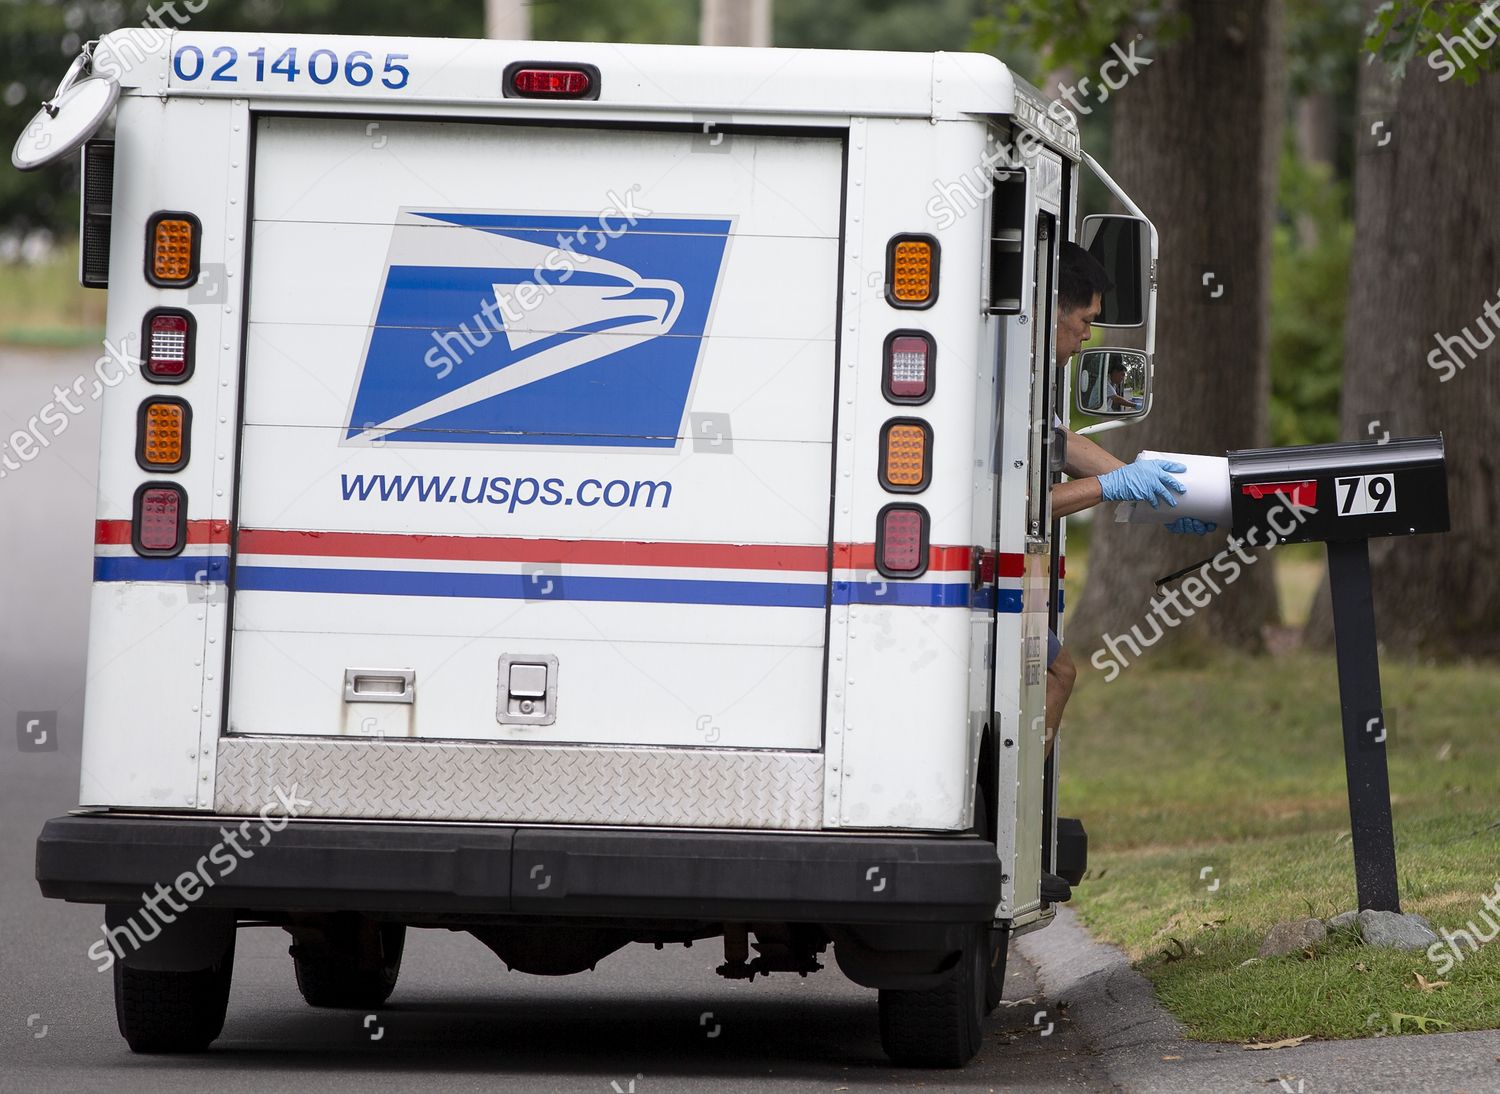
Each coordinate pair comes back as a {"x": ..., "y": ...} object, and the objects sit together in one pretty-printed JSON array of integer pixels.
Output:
[{"x": 1112, "y": 383}]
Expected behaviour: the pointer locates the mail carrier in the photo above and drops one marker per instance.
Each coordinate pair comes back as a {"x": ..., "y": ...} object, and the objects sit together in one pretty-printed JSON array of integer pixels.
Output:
[{"x": 575, "y": 494}]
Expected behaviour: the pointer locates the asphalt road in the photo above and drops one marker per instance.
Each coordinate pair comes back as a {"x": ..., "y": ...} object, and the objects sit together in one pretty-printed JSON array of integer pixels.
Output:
[{"x": 645, "y": 1021}]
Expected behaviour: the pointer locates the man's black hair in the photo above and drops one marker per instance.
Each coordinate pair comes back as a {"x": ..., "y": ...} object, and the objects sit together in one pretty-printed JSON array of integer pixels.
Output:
[
  {"x": 1117, "y": 366},
  {"x": 1080, "y": 276}
]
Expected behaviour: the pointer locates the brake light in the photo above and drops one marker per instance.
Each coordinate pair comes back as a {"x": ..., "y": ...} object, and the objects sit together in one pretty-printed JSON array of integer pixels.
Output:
[
  {"x": 906, "y": 455},
  {"x": 168, "y": 338},
  {"x": 160, "y": 524},
  {"x": 540, "y": 81},
  {"x": 162, "y": 433},
  {"x": 172, "y": 249},
  {"x": 901, "y": 541},
  {"x": 911, "y": 271},
  {"x": 908, "y": 367}
]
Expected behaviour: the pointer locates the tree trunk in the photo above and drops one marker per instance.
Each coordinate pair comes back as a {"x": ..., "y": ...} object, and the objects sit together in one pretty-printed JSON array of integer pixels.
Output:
[
  {"x": 1316, "y": 134},
  {"x": 1196, "y": 143},
  {"x": 1426, "y": 262}
]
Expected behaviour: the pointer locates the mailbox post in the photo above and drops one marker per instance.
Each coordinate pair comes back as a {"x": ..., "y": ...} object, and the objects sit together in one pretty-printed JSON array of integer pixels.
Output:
[{"x": 1343, "y": 494}]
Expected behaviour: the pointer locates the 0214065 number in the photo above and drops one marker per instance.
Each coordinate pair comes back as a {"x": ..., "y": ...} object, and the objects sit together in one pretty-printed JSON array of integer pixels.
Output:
[
  {"x": 321, "y": 66},
  {"x": 1366, "y": 495}
]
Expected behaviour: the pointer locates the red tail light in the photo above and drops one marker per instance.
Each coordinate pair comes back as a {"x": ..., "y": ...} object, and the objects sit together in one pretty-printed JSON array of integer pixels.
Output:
[
  {"x": 160, "y": 524},
  {"x": 541, "y": 81},
  {"x": 908, "y": 367},
  {"x": 901, "y": 541},
  {"x": 167, "y": 342}
]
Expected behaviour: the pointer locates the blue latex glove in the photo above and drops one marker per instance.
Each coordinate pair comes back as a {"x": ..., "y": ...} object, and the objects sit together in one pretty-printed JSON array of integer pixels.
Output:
[
  {"x": 1144, "y": 480},
  {"x": 1189, "y": 526}
]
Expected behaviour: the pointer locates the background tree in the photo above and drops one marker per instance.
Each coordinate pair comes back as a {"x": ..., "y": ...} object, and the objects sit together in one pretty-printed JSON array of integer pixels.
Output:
[
  {"x": 1196, "y": 141},
  {"x": 1426, "y": 262}
]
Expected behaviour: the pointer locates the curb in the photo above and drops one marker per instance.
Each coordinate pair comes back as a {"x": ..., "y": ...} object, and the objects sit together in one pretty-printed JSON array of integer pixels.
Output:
[{"x": 1141, "y": 1046}]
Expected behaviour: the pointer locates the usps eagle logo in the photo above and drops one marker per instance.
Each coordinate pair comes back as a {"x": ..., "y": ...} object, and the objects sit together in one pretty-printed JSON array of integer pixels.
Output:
[{"x": 536, "y": 329}]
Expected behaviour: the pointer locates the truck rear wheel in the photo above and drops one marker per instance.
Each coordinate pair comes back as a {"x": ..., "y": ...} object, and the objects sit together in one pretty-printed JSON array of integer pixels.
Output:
[
  {"x": 941, "y": 1026},
  {"x": 353, "y": 963},
  {"x": 161, "y": 1012}
]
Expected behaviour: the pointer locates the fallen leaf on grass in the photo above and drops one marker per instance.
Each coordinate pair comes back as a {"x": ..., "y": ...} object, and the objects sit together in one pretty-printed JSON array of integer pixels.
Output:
[
  {"x": 1251, "y": 961},
  {"x": 1421, "y": 1021},
  {"x": 1359, "y": 966},
  {"x": 1429, "y": 985},
  {"x": 1181, "y": 950},
  {"x": 1288, "y": 1042}
]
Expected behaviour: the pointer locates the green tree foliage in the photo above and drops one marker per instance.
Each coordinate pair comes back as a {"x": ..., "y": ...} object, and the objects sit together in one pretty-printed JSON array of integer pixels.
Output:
[
  {"x": 1319, "y": 36},
  {"x": 1309, "y": 295},
  {"x": 1462, "y": 33},
  {"x": 1074, "y": 33},
  {"x": 876, "y": 24}
]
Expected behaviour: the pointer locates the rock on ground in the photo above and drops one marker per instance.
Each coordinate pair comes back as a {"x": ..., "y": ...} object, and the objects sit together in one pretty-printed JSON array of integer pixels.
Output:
[
  {"x": 1293, "y": 936},
  {"x": 1344, "y": 920},
  {"x": 1401, "y": 932}
]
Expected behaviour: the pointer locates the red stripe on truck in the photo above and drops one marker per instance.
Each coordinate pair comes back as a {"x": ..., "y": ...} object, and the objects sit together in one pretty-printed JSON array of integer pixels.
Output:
[
  {"x": 117, "y": 532},
  {"x": 728, "y": 556},
  {"x": 725, "y": 556}
]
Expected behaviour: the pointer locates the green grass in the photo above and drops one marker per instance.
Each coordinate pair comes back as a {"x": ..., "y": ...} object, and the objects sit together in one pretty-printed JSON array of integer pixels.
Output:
[
  {"x": 43, "y": 305},
  {"x": 1238, "y": 766}
]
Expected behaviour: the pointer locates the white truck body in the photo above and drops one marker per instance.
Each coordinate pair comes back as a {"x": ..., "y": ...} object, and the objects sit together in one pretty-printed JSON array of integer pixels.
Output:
[{"x": 488, "y": 530}]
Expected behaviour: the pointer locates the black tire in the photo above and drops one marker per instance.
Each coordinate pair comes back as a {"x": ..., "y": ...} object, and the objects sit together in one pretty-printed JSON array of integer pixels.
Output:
[
  {"x": 994, "y": 976},
  {"x": 942, "y": 1026},
  {"x": 354, "y": 967},
  {"x": 160, "y": 1012}
]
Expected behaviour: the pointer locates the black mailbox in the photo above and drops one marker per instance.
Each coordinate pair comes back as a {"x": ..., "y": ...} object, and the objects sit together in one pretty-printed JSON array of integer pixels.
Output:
[{"x": 1345, "y": 491}]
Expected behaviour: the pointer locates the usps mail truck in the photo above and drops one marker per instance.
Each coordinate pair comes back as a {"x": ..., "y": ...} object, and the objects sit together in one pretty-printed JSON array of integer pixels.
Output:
[{"x": 576, "y": 494}]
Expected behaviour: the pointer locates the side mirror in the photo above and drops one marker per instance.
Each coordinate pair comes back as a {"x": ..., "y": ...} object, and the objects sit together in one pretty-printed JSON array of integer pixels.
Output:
[
  {"x": 1113, "y": 383},
  {"x": 1123, "y": 246}
]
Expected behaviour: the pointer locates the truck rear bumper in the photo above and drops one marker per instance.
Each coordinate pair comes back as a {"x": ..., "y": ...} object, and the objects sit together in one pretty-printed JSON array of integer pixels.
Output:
[{"x": 482, "y": 870}]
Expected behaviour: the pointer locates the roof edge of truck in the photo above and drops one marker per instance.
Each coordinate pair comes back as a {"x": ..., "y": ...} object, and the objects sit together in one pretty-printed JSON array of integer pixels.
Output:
[{"x": 665, "y": 79}]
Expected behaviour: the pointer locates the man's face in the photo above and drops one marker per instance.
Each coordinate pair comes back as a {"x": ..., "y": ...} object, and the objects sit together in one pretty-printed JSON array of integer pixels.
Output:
[{"x": 1074, "y": 326}]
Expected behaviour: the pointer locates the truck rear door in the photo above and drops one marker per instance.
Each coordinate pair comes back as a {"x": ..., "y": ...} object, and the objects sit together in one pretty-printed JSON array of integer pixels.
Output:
[{"x": 537, "y": 434}]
